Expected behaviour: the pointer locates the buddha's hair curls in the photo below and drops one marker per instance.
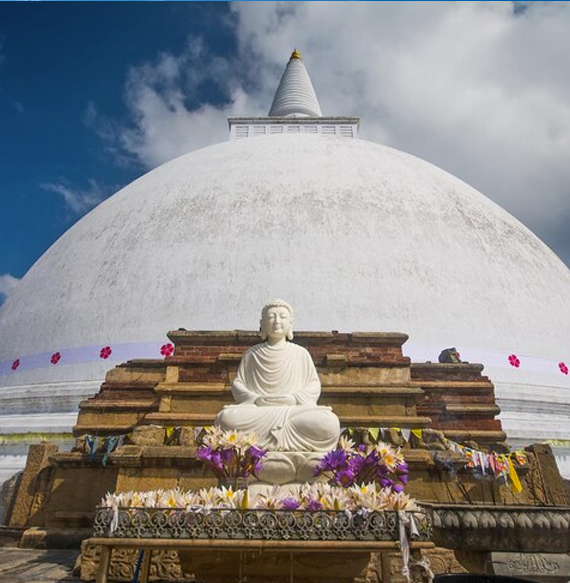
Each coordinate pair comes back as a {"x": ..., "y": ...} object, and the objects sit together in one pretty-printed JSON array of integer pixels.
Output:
[{"x": 277, "y": 303}]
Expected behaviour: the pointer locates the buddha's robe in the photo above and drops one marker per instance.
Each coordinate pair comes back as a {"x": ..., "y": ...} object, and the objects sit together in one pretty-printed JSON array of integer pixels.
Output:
[{"x": 283, "y": 369}]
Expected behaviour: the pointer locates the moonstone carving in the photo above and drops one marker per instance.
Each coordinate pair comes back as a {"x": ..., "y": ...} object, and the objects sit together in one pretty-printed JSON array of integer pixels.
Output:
[{"x": 276, "y": 392}]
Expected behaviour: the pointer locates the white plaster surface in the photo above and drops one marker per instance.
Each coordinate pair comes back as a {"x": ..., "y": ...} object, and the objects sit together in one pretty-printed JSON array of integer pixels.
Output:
[
  {"x": 295, "y": 96},
  {"x": 61, "y": 422},
  {"x": 356, "y": 235}
]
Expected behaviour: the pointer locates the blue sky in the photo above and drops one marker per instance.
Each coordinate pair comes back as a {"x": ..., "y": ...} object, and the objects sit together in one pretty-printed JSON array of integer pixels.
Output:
[
  {"x": 56, "y": 60},
  {"x": 92, "y": 95}
]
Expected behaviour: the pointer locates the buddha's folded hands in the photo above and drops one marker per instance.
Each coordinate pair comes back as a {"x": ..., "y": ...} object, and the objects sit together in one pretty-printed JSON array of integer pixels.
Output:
[{"x": 270, "y": 400}]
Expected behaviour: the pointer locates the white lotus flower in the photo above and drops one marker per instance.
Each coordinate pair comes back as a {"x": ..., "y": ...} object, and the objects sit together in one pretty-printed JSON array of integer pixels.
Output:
[
  {"x": 346, "y": 444},
  {"x": 401, "y": 501}
]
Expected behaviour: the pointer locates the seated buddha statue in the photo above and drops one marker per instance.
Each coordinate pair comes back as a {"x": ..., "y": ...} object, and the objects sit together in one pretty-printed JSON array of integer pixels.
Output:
[{"x": 276, "y": 392}]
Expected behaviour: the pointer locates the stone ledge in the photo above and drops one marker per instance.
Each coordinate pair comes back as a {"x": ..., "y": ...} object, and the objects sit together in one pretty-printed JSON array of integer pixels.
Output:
[
  {"x": 372, "y": 390},
  {"x": 143, "y": 363},
  {"x": 451, "y": 385},
  {"x": 167, "y": 418},
  {"x": 473, "y": 410},
  {"x": 194, "y": 388},
  {"x": 118, "y": 404},
  {"x": 382, "y": 338},
  {"x": 475, "y": 435},
  {"x": 407, "y": 421},
  {"x": 221, "y": 389},
  {"x": 246, "y": 337},
  {"x": 127, "y": 385},
  {"x": 461, "y": 367},
  {"x": 501, "y": 528},
  {"x": 103, "y": 431}
]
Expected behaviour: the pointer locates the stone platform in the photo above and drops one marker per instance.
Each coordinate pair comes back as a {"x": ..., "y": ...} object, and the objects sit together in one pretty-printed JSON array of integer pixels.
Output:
[{"x": 366, "y": 379}]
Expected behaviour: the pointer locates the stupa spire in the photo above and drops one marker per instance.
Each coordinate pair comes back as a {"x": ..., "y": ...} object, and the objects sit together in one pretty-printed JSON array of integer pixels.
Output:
[{"x": 295, "y": 96}]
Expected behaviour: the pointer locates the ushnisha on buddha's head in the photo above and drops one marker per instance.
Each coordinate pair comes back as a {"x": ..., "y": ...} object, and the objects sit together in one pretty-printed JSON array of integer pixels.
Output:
[{"x": 276, "y": 322}]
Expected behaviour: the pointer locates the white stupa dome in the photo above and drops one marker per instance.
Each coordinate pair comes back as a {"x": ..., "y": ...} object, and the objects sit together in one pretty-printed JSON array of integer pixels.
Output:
[{"x": 356, "y": 236}]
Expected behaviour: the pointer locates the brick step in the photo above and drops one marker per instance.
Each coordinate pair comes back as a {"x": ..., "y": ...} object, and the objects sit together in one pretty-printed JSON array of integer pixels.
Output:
[
  {"x": 451, "y": 423},
  {"x": 151, "y": 363},
  {"x": 438, "y": 398},
  {"x": 168, "y": 418},
  {"x": 197, "y": 389},
  {"x": 193, "y": 388},
  {"x": 128, "y": 385},
  {"x": 473, "y": 410},
  {"x": 116, "y": 404},
  {"x": 454, "y": 410},
  {"x": 453, "y": 385},
  {"x": 103, "y": 431},
  {"x": 125, "y": 395},
  {"x": 478, "y": 435}
]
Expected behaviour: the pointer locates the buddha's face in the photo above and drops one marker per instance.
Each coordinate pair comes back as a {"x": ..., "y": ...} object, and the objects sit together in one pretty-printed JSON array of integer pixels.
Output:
[{"x": 277, "y": 323}]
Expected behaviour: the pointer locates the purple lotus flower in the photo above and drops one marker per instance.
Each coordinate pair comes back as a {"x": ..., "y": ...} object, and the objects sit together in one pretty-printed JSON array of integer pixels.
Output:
[
  {"x": 402, "y": 469},
  {"x": 216, "y": 460},
  {"x": 345, "y": 478},
  {"x": 314, "y": 505},
  {"x": 372, "y": 458},
  {"x": 362, "y": 465},
  {"x": 402, "y": 473},
  {"x": 228, "y": 455},
  {"x": 290, "y": 504},
  {"x": 255, "y": 452},
  {"x": 334, "y": 460},
  {"x": 226, "y": 460},
  {"x": 386, "y": 483},
  {"x": 204, "y": 454},
  {"x": 356, "y": 464}
]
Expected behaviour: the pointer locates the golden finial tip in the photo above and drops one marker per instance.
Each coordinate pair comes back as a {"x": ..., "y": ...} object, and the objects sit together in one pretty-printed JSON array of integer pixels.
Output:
[{"x": 295, "y": 55}]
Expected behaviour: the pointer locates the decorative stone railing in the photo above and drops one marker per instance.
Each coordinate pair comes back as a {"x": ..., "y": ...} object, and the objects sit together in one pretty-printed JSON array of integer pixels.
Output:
[{"x": 175, "y": 523}]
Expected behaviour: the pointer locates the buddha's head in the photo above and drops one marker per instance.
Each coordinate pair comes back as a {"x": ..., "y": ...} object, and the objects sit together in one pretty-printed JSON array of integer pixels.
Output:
[{"x": 276, "y": 320}]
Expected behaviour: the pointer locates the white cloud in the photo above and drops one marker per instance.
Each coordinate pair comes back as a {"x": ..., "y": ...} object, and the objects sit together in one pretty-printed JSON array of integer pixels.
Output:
[
  {"x": 478, "y": 88},
  {"x": 78, "y": 201},
  {"x": 7, "y": 284}
]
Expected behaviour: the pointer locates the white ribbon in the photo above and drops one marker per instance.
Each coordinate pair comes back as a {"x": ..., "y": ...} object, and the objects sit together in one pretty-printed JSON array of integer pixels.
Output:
[
  {"x": 115, "y": 521},
  {"x": 403, "y": 520}
]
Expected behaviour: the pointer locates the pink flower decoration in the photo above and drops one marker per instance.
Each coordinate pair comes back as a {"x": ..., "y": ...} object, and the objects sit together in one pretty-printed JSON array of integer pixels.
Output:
[
  {"x": 458, "y": 354},
  {"x": 16, "y": 364},
  {"x": 55, "y": 357},
  {"x": 563, "y": 367},
  {"x": 167, "y": 349},
  {"x": 514, "y": 361},
  {"x": 105, "y": 352}
]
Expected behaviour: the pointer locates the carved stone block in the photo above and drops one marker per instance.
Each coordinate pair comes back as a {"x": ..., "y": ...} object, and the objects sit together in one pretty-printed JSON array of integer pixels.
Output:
[
  {"x": 540, "y": 566},
  {"x": 148, "y": 435},
  {"x": 165, "y": 565}
]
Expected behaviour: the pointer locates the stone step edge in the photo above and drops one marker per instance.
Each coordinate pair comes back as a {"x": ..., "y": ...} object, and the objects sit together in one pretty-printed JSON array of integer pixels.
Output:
[
  {"x": 472, "y": 410},
  {"x": 220, "y": 388},
  {"x": 103, "y": 431},
  {"x": 416, "y": 458},
  {"x": 486, "y": 435},
  {"x": 117, "y": 404},
  {"x": 412, "y": 422},
  {"x": 445, "y": 385}
]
